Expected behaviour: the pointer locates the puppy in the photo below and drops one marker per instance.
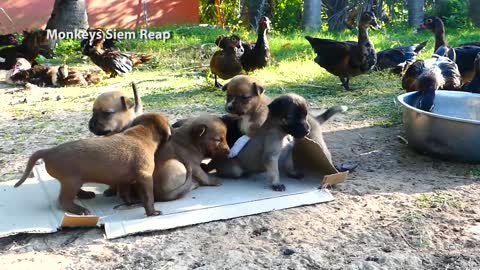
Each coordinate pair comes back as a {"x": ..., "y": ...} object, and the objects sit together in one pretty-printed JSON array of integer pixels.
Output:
[
  {"x": 119, "y": 160},
  {"x": 246, "y": 99},
  {"x": 113, "y": 112},
  {"x": 287, "y": 116},
  {"x": 178, "y": 164}
]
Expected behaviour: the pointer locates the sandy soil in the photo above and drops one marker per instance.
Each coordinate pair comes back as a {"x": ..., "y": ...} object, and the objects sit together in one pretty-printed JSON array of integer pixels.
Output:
[{"x": 398, "y": 210}]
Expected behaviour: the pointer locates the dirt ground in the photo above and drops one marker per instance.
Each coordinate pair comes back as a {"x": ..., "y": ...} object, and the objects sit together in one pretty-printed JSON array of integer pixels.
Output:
[{"x": 398, "y": 210}]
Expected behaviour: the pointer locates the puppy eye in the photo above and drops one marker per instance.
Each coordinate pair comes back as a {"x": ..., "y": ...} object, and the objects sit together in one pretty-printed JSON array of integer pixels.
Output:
[
  {"x": 107, "y": 113},
  {"x": 429, "y": 20}
]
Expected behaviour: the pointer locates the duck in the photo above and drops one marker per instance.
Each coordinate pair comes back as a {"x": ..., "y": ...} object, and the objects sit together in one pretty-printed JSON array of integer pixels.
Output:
[
  {"x": 226, "y": 63},
  {"x": 397, "y": 59},
  {"x": 29, "y": 49},
  {"x": 427, "y": 76},
  {"x": 8, "y": 40},
  {"x": 40, "y": 75},
  {"x": 474, "y": 85},
  {"x": 347, "y": 59},
  {"x": 50, "y": 76},
  {"x": 257, "y": 55},
  {"x": 111, "y": 60},
  {"x": 464, "y": 54}
]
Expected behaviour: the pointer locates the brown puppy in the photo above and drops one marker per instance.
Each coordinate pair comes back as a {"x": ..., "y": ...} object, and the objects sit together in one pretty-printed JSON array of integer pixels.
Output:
[
  {"x": 245, "y": 99},
  {"x": 287, "y": 115},
  {"x": 179, "y": 161},
  {"x": 119, "y": 160},
  {"x": 113, "y": 112}
]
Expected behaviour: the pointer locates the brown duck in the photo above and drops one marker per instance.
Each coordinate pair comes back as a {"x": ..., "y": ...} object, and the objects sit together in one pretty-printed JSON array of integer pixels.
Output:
[
  {"x": 347, "y": 59},
  {"x": 226, "y": 63}
]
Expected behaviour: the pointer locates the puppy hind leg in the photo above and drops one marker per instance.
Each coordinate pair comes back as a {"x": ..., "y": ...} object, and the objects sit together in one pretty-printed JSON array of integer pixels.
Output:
[
  {"x": 69, "y": 188},
  {"x": 289, "y": 165},
  {"x": 145, "y": 183}
]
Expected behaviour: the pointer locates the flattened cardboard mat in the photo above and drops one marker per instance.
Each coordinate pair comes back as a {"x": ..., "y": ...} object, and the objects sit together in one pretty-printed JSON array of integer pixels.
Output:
[{"x": 32, "y": 207}]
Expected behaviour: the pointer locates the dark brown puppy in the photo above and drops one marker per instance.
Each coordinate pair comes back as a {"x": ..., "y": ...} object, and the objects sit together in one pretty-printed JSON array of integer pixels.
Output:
[
  {"x": 179, "y": 161},
  {"x": 112, "y": 113},
  {"x": 287, "y": 116},
  {"x": 246, "y": 99},
  {"x": 119, "y": 160}
]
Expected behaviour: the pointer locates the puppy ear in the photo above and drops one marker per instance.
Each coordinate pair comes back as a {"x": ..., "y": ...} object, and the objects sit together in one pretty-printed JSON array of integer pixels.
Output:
[
  {"x": 199, "y": 130},
  {"x": 278, "y": 106},
  {"x": 257, "y": 89},
  {"x": 127, "y": 103},
  {"x": 224, "y": 88}
]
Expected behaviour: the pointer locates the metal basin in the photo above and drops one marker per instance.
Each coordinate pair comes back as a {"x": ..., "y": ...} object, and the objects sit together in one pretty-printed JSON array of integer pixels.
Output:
[{"x": 451, "y": 131}]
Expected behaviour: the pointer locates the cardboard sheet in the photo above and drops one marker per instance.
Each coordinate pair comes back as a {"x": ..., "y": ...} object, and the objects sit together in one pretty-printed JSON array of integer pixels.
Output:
[{"x": 32, "y": 207}]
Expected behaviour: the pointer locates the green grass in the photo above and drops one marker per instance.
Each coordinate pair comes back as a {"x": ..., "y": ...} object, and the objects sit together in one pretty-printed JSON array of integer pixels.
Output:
[{"x": 178, "y": 81}]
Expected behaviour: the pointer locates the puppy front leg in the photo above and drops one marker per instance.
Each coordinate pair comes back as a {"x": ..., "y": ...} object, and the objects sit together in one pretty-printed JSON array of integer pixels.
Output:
[
  {"x": 273, "y": 175},
  {"x": 203, "y": 178},
  {"x": 146, "y": 186}
]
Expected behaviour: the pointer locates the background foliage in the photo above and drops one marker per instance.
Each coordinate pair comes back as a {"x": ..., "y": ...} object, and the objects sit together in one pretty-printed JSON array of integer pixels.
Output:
[{"x": 287, "y": 14}]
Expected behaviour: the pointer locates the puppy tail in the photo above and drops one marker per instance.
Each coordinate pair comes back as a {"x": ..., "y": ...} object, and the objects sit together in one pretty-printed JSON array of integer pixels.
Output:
[
  {"x": 138, "y": 101},
  {"x": 322, "y": 118},
  {"x": 31, "y": 162}
]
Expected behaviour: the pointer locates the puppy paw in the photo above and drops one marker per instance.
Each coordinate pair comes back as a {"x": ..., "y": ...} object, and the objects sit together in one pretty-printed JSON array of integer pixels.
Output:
[
  {"x": 279, "y": 187},
  {"x": 215, "y": 182},
  {"x": 82, "y": 194},
  {"x": 154, "y": 213}
]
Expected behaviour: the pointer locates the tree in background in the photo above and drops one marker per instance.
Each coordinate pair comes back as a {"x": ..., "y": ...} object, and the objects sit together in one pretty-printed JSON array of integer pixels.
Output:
[
  {"x": 416, "y": 12},
  {"x": 312, "y": 14},
  {"x": 68, "y": 15},
  {"x": 475, "y": 12}
]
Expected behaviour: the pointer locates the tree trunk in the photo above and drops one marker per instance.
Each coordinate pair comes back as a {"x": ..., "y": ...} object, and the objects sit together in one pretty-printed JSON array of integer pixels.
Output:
[
  {"x": 312, "y": 14},
  {"x": 68, "y": 15},
  {"x": 416, "y": 12},
  {"x": 475, "y": 12}
]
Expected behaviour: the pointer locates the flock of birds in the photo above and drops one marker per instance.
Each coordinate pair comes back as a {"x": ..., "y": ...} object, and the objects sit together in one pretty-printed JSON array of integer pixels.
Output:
[
  {"x": 19, "y": 60},
  {"x": 448, "y": 68}
]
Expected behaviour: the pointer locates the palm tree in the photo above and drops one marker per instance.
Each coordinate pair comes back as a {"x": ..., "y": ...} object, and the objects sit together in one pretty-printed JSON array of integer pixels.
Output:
[
  {"x": 416, "y": 12},
  {"x": 475, "y": 11},
  {"x": 312, "y": 14}
]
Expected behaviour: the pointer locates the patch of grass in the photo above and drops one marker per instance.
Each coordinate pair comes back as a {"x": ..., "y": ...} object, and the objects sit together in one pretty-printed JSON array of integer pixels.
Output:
[
  {"x": 415, "y": 230},
  {"x": 475, "y": 172},
  {"x": 437, "y": 200},
  {"x": 178, "y": 79}
]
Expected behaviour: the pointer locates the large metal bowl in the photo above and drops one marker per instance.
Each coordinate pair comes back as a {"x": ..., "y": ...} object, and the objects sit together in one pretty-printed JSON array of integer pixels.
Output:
[{"x": 451, "y": 131}]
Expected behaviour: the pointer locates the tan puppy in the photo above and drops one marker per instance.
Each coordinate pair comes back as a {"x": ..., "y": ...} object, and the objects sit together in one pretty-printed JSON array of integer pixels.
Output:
[
  {"x": 287, "y": 115},
  {"x": 245, "y": 99},
  {"x": 119, "y": 160},
  {"x": 113, "y": 112},
  {"x": 175, "y": 164}
]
